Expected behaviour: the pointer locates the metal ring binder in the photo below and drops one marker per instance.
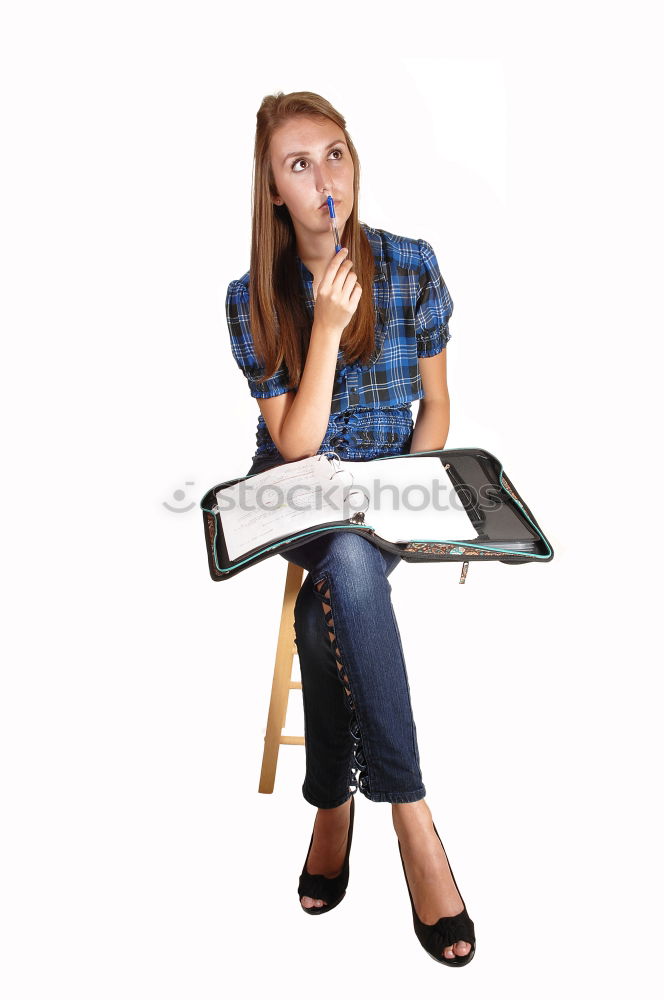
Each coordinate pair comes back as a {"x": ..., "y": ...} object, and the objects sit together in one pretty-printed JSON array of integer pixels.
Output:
[{"x": 332, "y": 457}]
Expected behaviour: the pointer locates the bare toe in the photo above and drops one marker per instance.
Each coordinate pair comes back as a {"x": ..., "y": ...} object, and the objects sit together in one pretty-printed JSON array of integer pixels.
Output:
[
  {"x": 457, "y": 950},
  {"x": 308, "y": 903}
]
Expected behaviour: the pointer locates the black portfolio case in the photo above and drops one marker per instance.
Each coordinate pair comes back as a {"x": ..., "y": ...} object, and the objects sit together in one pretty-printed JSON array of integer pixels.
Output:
[{"x": 505, "y": 526}]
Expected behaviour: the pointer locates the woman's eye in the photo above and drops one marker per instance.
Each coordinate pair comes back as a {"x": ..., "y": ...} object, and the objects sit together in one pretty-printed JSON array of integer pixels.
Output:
[{"x": 296, "y": 163}]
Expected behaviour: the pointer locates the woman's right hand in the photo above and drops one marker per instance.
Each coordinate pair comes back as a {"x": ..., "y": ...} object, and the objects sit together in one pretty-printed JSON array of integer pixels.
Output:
[{"x": 338, "y": 294}]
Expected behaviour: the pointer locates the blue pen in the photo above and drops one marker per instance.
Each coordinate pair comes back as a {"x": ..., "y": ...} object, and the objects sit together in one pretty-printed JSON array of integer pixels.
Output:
[{"x": 337, "y": 241}]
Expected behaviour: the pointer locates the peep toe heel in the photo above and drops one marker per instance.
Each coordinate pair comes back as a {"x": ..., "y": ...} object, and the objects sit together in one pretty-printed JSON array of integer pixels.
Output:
[
  {"x": 434, "y": 938},
  {"x": 331, "y": 890}
]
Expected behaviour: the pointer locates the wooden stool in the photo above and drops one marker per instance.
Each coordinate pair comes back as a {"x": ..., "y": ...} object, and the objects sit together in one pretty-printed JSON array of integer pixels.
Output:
[{"x": 282, "y": 683}]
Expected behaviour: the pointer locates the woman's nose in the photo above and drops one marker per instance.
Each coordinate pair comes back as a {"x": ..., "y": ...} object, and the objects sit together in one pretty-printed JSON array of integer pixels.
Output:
[{"x": 323, "y": 182}]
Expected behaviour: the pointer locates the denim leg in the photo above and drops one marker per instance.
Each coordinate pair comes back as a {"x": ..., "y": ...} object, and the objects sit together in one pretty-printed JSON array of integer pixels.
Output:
[
  {"x": 328, "y": 743},
  {"x": 361, "y": 641}
]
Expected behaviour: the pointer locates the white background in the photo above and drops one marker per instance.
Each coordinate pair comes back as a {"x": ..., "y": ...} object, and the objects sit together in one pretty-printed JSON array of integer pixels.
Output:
[{"x": 523, "y": 142}]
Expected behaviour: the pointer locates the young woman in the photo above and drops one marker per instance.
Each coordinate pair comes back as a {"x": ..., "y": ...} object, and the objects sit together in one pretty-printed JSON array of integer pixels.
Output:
[{"x": 335, "y": 347}]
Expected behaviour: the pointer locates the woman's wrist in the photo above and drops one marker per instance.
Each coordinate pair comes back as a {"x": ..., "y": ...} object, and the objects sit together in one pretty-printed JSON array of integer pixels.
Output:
[{"x": 325, "y": 331}]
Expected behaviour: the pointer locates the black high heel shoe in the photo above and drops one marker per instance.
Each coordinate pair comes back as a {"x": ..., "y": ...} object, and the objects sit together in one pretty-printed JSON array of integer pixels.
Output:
[
  {"x": 434, "y": 938},
  {"x": 332, "y": 890}
]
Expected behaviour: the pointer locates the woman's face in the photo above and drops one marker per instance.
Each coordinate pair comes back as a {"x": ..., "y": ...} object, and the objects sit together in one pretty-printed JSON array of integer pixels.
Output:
[{"x": 310, "y": 159}]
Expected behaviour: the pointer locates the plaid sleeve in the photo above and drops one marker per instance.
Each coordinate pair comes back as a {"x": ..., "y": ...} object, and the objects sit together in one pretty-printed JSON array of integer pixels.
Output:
[
  {"x": 242, "y": 345},
  {"x": 434, "y": 306}
]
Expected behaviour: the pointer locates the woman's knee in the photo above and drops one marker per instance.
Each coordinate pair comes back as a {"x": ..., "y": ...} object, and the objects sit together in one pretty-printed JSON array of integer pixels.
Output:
[
  {"x": 352, "y": 565},
  {"x": 354, "y": 554}
]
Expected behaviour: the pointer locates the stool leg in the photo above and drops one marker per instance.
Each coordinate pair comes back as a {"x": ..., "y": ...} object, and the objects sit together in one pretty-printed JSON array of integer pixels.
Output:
[{"x": 281, "y": 682}]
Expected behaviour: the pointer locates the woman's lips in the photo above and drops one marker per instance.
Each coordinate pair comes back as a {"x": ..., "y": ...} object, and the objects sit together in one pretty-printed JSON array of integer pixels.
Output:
[{"x": 324, "y": 205}]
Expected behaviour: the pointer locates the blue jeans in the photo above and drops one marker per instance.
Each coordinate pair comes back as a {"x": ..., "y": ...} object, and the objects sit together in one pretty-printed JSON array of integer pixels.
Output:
[{"x": 359, "y": 727}]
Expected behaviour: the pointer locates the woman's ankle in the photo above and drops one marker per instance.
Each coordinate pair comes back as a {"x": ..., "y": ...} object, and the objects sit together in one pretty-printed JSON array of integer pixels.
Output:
[{"x": 411, "y": 815}]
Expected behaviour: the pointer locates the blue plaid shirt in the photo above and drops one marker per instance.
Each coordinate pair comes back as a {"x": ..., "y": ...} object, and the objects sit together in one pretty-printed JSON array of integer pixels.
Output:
[{"x": 370, "y": 413}]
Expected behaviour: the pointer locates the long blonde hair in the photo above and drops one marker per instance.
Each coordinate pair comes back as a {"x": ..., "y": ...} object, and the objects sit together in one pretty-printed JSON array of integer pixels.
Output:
[{"x": 280, "y": 326}]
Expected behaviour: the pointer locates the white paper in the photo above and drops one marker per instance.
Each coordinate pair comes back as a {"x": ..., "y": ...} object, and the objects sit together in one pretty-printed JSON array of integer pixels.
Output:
[
  {"x": 411, "y": 499},
  {"x": 403, "y": 498},
  {"x": 281, "y": 502}
]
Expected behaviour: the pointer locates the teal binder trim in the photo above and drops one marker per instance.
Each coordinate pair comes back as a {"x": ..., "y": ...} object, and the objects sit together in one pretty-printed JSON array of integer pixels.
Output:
[{"x": 290, "y": 538}]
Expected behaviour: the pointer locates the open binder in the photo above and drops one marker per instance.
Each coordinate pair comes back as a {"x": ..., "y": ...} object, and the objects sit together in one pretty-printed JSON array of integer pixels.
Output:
[{"x": 499, "y": 524}]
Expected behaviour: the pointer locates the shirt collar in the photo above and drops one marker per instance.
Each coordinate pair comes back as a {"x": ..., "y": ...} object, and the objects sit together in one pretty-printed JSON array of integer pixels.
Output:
[{"x": 376, "y": 246}]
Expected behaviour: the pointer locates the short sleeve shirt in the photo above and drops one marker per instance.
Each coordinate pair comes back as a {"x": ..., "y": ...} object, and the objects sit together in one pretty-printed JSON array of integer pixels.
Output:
[{"x": 370, "y": 413}]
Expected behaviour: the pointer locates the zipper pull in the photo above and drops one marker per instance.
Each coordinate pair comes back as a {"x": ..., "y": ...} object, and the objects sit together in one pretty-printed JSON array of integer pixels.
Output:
[{"x": 464, "y": 571}]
